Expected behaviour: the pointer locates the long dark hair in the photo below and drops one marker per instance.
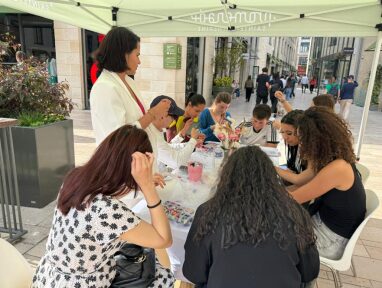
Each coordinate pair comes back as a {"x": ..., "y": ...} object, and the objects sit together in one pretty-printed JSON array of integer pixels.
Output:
[
  {"x": 292, "y": 119},
  {"x": 108, "y": 171},
  {"x": 195, "y": 99},
  {"x": 251, "y": 205},
  {"x": 111, "y": 54},
  {"x": 324, "y": 137}
]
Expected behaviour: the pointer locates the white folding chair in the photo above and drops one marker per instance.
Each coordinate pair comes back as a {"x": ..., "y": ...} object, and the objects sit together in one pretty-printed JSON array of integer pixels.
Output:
[
  {"x": 15, "y": 271},
  {"x": 364, "y": 171},
  {"x": 346, "y": 262}
]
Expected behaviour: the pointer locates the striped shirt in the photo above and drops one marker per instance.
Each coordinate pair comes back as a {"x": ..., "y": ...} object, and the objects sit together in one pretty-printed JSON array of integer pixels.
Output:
[{"x": 266, "y": 135}]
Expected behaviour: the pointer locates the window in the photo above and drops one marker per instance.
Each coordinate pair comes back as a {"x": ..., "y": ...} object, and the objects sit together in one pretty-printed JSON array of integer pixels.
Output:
[
  {"x": 304, "y": 47},
  {"x": 302, "y": 61},
  {"x": 333, "y": 41},
  {"x": 38, "y": 36}
]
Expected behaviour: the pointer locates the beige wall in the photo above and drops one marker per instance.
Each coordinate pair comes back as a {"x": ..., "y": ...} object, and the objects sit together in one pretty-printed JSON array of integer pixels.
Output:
[
  {"x": 69, "y": 60},
  {"x": 153, "y": 79}
]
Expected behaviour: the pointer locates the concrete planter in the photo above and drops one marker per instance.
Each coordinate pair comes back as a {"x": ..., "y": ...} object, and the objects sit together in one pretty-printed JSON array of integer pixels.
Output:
[
  {"x": 216, "y": 90},
  {"x": 43, "y": 156}
]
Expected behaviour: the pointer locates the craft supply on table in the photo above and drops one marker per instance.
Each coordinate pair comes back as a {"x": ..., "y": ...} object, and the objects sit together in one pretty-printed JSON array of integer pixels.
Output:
[{"x": 179, "y": 213}]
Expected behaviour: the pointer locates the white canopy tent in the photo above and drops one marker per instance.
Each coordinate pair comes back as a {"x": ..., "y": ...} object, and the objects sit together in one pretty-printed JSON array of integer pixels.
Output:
[{"x": 199, "y": 18}]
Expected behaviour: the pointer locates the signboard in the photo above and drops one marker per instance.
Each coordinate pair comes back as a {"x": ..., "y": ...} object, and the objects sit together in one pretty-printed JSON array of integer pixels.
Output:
[
  {"x": 172, "y": 56},
  {"x": 301, "y": 69},
  {"x": 348, "y": 50}
]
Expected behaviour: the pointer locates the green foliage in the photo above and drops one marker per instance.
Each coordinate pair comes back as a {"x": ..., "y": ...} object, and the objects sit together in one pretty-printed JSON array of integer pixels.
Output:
[
  {"x": 228, "y": 59},
  {"x": 223, "y": 81},
  {"x": 25, "y": 90},
  {"x": 35, "y": 119},
  {"x": 377, "y": 86}
]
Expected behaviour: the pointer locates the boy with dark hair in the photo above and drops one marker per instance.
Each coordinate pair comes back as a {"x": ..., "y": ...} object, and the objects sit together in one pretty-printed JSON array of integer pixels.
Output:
[{"x": 260, "y": 130}]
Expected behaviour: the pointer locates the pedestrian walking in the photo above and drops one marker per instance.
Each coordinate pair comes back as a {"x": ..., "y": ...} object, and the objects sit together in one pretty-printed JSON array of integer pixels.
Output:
[{"x": 249, "y": 86}]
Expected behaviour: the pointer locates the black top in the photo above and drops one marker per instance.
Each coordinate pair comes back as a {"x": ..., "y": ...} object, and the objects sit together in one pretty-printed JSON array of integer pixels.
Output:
[
  {"x": 261, "y": 80},
  {"x": 208, "y": 265},
  {"x": 294, "y": 161},
  {"x": 343, "y": 211},
  {"x": 276, "y": 85}
]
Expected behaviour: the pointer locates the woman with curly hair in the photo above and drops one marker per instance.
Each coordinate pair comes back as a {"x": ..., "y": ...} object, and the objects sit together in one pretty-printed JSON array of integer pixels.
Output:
[
  {"x": 250, "y": 231},
  {"x": 298, "y": 171},
  {"x": 340, "y": 205}
]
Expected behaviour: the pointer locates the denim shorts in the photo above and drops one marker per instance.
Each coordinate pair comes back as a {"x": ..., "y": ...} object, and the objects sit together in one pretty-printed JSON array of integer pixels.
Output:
[{"x": 329, "y": 244}]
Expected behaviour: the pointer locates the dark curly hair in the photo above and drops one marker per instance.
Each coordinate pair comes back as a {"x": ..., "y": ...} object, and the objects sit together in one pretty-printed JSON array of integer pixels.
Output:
[
  {"x": 292, "y": 118},
  {"x": 324, "y": 137},
  {"x": 251, "y": 205}
]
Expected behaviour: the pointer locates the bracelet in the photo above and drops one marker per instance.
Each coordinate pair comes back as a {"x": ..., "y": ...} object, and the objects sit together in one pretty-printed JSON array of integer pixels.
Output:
[
  {"x": 282, "y": 100},
  {"x": 155, "y": 205},
  {"x": 151, "y": 114}
]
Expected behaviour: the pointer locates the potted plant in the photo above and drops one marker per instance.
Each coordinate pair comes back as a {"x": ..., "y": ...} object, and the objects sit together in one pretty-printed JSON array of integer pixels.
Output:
[
  {"x": 227, "y": 60},
  {"x": 43, "y": 142},
  {"x": 222, "y": 84}
]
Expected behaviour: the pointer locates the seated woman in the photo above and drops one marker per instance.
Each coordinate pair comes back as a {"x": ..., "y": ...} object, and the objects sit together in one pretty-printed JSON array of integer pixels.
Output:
[
  {"x": 217, "y": 113},
  {"x": 195, "y": 103},
  {"x": 90, "y": 223},
  {"x": 298, "y": 171},
  {"x": 340, "y": 203},
  {"x": 251, "y": 233}
]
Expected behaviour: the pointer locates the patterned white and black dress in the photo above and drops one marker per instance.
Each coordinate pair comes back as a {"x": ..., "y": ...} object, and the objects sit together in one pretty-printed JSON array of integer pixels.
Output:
[{"x": 81, "y": 246}]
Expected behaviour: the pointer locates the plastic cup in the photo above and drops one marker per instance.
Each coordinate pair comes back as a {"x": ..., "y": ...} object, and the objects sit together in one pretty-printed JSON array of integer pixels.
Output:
[{"x": 195, "y": 170}]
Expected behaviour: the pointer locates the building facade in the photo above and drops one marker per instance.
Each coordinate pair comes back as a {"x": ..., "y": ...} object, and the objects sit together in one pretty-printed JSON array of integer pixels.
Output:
[
  {"x": 334, "y": 56},
  {"x": 303, "y": 55}
]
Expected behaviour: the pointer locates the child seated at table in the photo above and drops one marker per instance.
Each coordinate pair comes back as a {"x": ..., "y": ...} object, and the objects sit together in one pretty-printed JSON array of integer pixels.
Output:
[
  {"x": 260, "y": 130},
  {"x": 172, "y": 154},
  {"x": 251, "y": 233}
]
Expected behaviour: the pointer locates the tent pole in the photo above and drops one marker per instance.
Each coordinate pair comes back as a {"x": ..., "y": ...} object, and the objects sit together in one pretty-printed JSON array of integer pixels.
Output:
[{"x": 369, "y": 92}]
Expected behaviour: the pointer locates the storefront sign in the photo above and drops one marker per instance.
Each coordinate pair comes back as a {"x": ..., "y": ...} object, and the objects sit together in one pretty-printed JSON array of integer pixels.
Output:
[
  {"x": 348, "y": 50},
  {"x": 172, "y": 56}
]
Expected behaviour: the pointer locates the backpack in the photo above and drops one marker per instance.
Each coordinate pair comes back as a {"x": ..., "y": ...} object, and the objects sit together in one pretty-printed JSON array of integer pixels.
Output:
[
  {"x": 275, "y": 87},
  {"x": 334, "y": 91}
]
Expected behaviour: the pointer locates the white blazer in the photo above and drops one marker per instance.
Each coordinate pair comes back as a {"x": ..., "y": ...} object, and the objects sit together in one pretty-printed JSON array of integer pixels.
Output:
[{"x": 113, "y": 106}]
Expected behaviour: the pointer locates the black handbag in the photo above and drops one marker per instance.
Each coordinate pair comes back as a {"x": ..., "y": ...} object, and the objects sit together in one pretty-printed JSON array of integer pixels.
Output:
[{"x": 135, "y": 267}]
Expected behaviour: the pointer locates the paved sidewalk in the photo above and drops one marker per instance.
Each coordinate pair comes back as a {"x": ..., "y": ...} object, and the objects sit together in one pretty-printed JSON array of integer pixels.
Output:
[{"x": 368, "y": 253}]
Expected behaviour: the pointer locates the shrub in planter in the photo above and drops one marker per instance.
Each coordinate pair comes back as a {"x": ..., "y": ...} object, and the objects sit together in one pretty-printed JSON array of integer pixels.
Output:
[
  {"x": 43, "y": 143},
  {"x": 222, "y": 84}
]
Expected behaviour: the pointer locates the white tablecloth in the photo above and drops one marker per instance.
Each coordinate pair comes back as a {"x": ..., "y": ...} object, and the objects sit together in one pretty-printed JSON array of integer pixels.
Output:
[{"x": 189, "y": 194}]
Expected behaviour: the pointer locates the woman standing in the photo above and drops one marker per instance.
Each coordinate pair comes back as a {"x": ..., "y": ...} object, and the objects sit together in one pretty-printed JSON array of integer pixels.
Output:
[
  {"x": 217, "y": 113},
  {"x": 312, "y": 84},
  {"x": 114, "y": 98},
  {"x": 90, "y": 223},
  {"x": 254, "y": 225},
  {"x": 340, "y": 203},
  {"x": 249, "y": 87}
]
